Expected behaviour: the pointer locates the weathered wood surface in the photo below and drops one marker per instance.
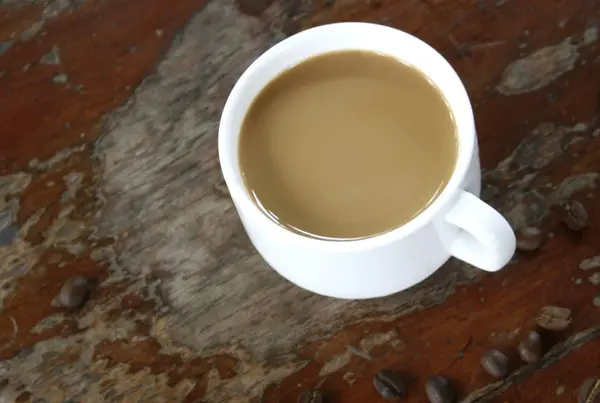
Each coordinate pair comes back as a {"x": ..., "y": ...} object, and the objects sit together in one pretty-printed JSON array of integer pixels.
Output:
[{"x": 109, "y": 111}]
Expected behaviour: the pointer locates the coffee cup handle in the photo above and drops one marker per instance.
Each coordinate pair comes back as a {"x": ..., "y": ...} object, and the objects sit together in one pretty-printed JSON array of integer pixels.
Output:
[{"x": 485, "y": 239}]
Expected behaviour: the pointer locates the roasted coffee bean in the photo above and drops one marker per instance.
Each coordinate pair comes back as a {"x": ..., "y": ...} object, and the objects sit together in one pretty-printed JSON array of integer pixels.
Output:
[
  {"x": 439, "y": 390},
  {"x": 389, "y": 385},
  {"x": 529, "y": 239},
  {"x": 530, "y": 349},
  {"x": 554, "y": 318},
  {"x": 495, "y": 363},
  {"x": 74, "y": 292},
  {"x": 311, "y": 396},
  {"x": 574, "y": 215},
  {"x": 590, "y": 391}
]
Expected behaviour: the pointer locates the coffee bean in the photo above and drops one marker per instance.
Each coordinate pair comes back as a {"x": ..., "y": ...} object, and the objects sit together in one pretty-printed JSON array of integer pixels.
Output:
[
  {"x": 439, "y": 390},
  {"x": 311, "y": 396},
  {"x": 530, "y": 349},
  {"x": 74, "y": 292},
  {"x": 529, "y": 239},
  {"x": 574, "y": 215},
  {"x": 389, "y": 385},
  {"x": 554, "y": 318},
  {"x": 495, "y": 363},
  {"x": 590, "y": 391}
]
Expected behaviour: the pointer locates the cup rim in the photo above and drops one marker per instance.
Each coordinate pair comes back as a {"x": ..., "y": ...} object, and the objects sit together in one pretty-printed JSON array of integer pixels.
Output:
[{"x": 243, "y": 201}]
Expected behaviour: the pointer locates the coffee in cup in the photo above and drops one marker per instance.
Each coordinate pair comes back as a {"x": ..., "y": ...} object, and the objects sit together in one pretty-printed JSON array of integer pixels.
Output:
[{"x": 347, "y": 145}]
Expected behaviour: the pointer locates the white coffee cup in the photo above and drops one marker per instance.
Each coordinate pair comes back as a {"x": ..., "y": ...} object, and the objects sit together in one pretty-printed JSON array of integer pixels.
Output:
[{"x": 456, "y": 224}]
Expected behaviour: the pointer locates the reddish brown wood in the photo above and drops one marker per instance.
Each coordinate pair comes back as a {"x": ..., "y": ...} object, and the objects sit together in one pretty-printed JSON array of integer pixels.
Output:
[
  {"x": 125, "y": 344},
  {"x": 561, "y": 383},
  {"x": 106, "y": 49}
]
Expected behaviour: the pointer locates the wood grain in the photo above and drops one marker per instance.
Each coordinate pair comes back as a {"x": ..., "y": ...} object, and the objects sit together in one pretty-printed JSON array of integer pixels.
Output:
[{"x": 108, "y": 150}]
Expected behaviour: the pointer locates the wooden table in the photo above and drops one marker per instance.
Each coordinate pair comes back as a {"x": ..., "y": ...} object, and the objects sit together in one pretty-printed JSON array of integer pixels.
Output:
[{"x": 108, "y": 125}]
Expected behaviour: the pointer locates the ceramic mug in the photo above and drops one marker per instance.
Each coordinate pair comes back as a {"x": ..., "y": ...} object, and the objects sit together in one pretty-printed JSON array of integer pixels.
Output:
[{"x": 456, "y": 224}]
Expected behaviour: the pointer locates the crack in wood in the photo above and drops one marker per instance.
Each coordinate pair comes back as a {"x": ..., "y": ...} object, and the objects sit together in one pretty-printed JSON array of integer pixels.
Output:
[
  {"x": 460, "y": 355},
  {"x": 553, "y": 355}
]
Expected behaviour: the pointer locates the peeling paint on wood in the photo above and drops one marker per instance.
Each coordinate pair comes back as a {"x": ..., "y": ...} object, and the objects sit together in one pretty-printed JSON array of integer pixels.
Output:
[
  {"x": 539, "y": 69},
  {"x": 52, "y": 57},
  {"x": 590, "y": 35},
  {"x": 590, "y": 263}
]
